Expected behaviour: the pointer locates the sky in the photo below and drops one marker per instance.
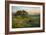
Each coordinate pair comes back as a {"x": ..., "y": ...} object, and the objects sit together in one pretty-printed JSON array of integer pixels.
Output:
[{"x": 30, "y": 10}]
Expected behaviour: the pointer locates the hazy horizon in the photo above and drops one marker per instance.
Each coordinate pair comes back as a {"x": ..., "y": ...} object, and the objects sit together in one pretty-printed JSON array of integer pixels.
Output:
[{"x": 30, "y": 10}]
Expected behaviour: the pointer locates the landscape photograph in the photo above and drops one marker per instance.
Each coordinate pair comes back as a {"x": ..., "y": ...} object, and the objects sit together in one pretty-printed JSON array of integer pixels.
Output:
[{"x": 25, "y": 17}]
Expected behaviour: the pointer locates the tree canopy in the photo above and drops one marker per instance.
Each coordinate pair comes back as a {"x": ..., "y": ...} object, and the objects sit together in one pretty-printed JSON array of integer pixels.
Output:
[{"x": 21, "y": 12}]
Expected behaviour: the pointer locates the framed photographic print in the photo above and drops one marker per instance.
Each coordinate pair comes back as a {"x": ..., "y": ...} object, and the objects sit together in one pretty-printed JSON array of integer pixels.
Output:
[{"x": 24, "y": 17}]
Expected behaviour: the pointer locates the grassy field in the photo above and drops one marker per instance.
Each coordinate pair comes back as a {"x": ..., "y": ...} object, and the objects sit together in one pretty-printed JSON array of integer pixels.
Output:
[{"x": 25, "y": 21}]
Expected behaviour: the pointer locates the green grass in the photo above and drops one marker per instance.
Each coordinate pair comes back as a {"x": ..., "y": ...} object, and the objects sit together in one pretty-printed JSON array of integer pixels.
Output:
[{"x": 23, "y": 21}]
